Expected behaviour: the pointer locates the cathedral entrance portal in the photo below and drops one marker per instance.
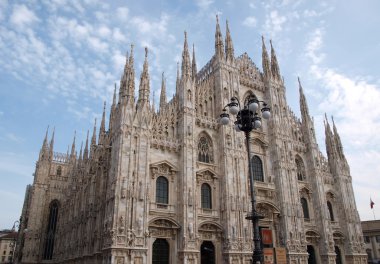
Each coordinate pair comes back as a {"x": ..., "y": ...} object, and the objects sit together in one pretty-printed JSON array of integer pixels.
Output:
[
  {"x": 311, "y": 259},
  {"x": 160, "y": 251},
  {"x": 207, "y": 253}
]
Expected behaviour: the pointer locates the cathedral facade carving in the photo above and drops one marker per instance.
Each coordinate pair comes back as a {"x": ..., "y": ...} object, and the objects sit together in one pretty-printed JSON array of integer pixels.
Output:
[{"x": 171, "y": 185}]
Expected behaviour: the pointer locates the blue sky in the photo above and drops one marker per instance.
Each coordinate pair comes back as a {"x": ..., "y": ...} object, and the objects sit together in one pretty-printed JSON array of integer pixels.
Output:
[{"x": 59, "y": 60}]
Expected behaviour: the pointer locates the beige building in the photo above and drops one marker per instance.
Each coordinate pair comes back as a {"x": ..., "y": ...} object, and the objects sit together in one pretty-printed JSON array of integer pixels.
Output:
[
  {"x": 171, "y": 186},
  {"x": 7, "y": 243},
  {"x": 371, "y": 232}
]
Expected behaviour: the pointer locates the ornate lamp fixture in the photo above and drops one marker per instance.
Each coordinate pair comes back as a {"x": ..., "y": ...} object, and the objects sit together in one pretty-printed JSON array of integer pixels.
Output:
[{"x": 248, "y": 119}]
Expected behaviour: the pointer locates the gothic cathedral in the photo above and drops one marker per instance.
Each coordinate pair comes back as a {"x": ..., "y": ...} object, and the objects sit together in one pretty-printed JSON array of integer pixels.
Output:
[{"x": 171, "y": 185}]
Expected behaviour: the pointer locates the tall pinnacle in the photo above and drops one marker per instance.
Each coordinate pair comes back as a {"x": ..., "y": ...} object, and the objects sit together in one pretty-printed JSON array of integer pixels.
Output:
[
  {"x": 144, "y": 89},
  {"x": 52, "y": 144},
  {"x": 131, "y": 78},
  {"x": 163, "y": 93},
  {"x": 85, "y": 152},
  {"x": 186, "y": 69},
  {"x": 265, "y": 60},
  {"x": 338, "y": 142},
  {"x": 330, "y": 145},
  {"x": 93, "y": 139},
  {"x": 177, "y": 80},
  {"x": 194, "y": 65},
  {"x": 44, "y": 148},
  {"x": 123, "y": 82},
  {"x": 102, "y": 129},
  {"x": 274, "y": 64},
  {"x": 73, "y": 145},
  {"x": 219, "y": 47},
  {"x": 229, "y": 45},
  {"x": 303, "y": 103}
]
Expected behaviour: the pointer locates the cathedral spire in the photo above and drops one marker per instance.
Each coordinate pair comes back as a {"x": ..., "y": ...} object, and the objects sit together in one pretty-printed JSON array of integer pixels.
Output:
[
  {"x": 80, "y": 152},
  {"x": 144, "y": 88},
  {"x": 265, "y": 60},
  {"x": 303, "y": 103},
  {"x": 329, "y": 139},
  {"x": 131, "y": 78},
  {"x": 186, "y": 69},
  {"x": 337, "y": 140},
  {"x": 93, "y": 139},
  {"x": 85, "y": 152},
  {"x": 73, "y": 145},
  {"x": 114, "y": 97},
  {"x": 163, "y": 92},
  {"x": 102, "y": 129},
  {"x": 219, "y": 47},
  {"x": 194, "y": 65},
  {"x": 123, "y": 82},
  {"x": 177, "y": 80},
  {"x": 275, "y": 69},
  {"x": 51, "y": 145},
  {"x": 229, "y": 45},
  {"x": 45, "y": 147}
]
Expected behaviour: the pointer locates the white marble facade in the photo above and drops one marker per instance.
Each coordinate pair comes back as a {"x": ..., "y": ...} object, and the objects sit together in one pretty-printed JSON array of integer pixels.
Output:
[{"x": 173, "y": 178}]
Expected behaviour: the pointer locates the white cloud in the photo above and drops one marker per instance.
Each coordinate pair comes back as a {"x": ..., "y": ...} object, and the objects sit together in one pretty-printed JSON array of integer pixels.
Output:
[
  {"x": 250, "y": 22},
  {"x": 204, "y": 4},
  {"x": 347, "y": 98},
  {"x": 14, "y": 138},
  {"x": 3, "y": 9},
  {"x": 22, "y": 16},
  {"x": 118, "y": 36},
  {"x": 104, "y": 31},
  {"x": 122, "y": 14},
  {"x": 314, "y": 45},
  {"x": 274, "y": 23}
]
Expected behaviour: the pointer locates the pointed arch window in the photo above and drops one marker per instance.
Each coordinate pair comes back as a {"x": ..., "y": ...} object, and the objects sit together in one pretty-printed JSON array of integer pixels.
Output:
[
  {"x": 51, "y": 228},
  {"x": 331, "y": 213},
  {"x": 300, "y": 169},
  {"x": 305, "y": 208},
  {"x": 205, "y": 149},
  {"x": 162, "y": 190},
  {"x": 206, "y": 196},
  {"x": 257, "y": 169}
]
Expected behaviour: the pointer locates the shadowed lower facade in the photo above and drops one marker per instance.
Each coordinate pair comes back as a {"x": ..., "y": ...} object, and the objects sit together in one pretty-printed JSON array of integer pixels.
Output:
[{"x": 171, "y": 185}]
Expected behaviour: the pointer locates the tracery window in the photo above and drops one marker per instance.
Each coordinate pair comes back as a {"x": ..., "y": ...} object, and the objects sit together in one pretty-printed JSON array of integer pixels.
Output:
[
  {"x": 59, "y": 171},
  {"x": 305, "y": 208},
  {"x": 301, "y": 175},
  {"x": 205, "y": 149},
  {"x": 257, "y": 169},
  {"x": 206, "y": 199},
  {"x": 331, "y": 213},
  {"x": 51, "y": 228},
  {"x": 162, "y": 190}
]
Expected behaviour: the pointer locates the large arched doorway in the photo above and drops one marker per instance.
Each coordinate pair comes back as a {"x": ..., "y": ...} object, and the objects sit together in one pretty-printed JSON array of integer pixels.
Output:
[
  {"x": 338, "y": 259},
  {"x": 207, "y": 253},
  {"x": 311, "y": 251},
  {"x": 160, "y": 251}
]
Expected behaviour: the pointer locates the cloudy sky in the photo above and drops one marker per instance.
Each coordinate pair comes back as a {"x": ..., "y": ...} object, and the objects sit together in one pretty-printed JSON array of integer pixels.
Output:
[{"x": 59, "y": 60}]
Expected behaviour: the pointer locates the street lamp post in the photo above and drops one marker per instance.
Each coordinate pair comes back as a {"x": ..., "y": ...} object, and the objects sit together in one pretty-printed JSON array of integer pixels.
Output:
[{"x": 248, "y": 119}]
